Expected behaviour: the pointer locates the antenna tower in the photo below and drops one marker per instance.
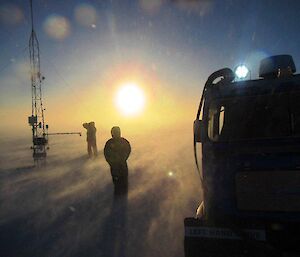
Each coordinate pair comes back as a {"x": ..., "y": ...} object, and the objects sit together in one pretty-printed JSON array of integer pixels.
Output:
[{"x": 37, "y": 119}]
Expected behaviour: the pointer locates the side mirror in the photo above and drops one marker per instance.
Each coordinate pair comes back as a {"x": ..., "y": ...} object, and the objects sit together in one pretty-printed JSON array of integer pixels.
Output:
[{"x": 198, "y": 131}]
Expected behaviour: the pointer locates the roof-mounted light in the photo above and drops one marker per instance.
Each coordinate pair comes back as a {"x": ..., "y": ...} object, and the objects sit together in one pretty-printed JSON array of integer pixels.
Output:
[{"x": 241, "y": 71}]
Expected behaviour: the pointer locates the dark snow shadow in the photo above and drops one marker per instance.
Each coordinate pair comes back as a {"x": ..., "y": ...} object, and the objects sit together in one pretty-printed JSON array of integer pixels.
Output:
[{"x": 115, "y": 231}]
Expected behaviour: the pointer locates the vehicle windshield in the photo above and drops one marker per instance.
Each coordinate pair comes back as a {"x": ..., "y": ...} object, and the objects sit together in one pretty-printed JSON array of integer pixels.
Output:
[{"x": 255, "y": 117}]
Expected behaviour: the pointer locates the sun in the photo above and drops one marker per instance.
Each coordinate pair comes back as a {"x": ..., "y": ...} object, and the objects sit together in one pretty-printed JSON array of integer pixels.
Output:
[{"x": 130, "y": 99}]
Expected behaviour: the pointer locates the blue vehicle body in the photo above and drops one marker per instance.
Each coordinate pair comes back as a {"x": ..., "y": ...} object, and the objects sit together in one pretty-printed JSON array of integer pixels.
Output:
[{"x": 250, "y": 135}]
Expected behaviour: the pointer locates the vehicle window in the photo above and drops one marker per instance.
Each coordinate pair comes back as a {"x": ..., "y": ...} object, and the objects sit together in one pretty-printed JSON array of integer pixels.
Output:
[
  {"x": 264, "y": 116},
  {"x": 215, "y": 121},
  {"x": 221, "y": 119}
]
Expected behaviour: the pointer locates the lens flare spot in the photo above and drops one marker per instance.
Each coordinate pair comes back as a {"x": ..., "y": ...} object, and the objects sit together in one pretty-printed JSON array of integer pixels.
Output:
[
  {"x": 57, "y": 27},
  {"x": 11, "y": 14},
  {"x": 86, "y": 15},
  {"x": 151, "y": 6}
]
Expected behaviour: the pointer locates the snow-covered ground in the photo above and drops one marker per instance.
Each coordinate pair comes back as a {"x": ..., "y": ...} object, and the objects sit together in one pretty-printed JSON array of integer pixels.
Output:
[{"x": 68, "y": 208}]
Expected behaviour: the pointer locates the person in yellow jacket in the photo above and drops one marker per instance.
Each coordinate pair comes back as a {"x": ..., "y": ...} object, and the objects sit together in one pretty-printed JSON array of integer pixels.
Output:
[
  {"x": 91, "y": 138},
  {"x": 116, "y": 152}
]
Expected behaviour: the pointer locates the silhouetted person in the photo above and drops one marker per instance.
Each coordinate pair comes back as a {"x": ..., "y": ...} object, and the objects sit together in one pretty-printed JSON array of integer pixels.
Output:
[
  {"x": 91, "y": 138},
  {"x": 116, "y": 152}
]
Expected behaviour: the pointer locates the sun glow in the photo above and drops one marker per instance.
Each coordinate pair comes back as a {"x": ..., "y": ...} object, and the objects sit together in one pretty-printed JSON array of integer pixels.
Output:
[{"x": 130, "y": 99}]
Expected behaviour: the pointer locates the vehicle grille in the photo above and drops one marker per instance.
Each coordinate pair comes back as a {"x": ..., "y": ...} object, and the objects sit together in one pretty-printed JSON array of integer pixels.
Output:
[{"x": 268, "y": 190}]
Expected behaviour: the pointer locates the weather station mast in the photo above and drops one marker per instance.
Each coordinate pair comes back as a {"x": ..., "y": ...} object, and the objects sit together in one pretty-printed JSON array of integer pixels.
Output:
[{"x": 37, "y": 119}]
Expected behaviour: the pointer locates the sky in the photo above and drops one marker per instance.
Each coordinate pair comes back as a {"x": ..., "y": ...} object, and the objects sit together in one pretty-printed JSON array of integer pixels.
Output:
[{"x": 89, "y": 49}]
